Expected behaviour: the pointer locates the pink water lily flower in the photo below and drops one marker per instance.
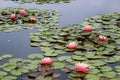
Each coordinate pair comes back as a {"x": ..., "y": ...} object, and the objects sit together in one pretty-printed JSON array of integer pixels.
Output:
[
  {"x": 87, "y": 28},
  {"x": 13, "y": 16},
  {"x": 81, "y": 67},
  {"x": 22, "y": 12},
  {"x": 72, "y": 45},
  {"x": 46, "y": 61},
  {"x": 102, "y": 38}
]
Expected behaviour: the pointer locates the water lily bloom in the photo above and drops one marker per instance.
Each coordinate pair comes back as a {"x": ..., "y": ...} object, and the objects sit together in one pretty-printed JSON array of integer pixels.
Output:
[
  {"x": 32, "y": 19},
  {"x": 87, "y": 28},
  {"x": 46, "y": 61},
  {"x": 13, "y": 16},
  {"x": 72, "y": 45},
  {"x": 102, "y": 38},
  {"x": 81, "y": 67},
  {"x": 22, "y": 12}
]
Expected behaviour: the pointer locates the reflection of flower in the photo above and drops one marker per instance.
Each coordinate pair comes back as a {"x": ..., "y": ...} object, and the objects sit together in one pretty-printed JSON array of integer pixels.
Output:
[
  {"x": 87, "y": 28},
  {"x": 81, "y": 67},
  {"x": 102, "y": 38},
  {"x": 72, "y": 45},
  {"x": 46, "y": 61}
]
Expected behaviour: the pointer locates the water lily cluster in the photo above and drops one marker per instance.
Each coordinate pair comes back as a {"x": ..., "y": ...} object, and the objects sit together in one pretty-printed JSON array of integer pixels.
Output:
[
  {"x": 92, "y": 49},
  {"x": 79, "y": 51},
  {"x": 79, "y": 67},
  {"x": 74, "y": 44},
  {"x": 14, "y": 19},
  {"x": 23, "y": 13}
]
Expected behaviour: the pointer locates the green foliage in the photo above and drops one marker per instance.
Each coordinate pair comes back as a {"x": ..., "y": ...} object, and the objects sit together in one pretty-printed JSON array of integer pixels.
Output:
[
  {"x": 44, "y": 18},
  {"x": 42, "y": 1}
]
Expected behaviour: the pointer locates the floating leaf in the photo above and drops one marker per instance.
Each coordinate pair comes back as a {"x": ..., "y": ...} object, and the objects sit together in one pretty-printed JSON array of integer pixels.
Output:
[
  {"x": 14, "y": 60},
  {"x": 62, "y": 58},
  {"x": 43, "y": 78},
  {"x": 105, "y": 68},
  {"x": 2, "y": 74},
  {"x": 77, "y": 75},
  {"x": 109, "y": 74},
  {"x": 6, "y": 56},
  {"x": 35, "y": 56},
  {"x": 92, "y": 77},
  {"x": 58, "y": 65},
  {"x": 97, "y": 62},
  {"x": 9, "y": 78}
]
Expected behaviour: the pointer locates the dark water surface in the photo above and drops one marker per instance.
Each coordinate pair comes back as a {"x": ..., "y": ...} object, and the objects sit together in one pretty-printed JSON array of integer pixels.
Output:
[{"x": 18, "y": 44}]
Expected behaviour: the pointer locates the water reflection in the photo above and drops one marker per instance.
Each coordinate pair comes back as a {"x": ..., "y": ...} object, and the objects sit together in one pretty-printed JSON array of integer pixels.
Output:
[{"x": 16, "y": 43}]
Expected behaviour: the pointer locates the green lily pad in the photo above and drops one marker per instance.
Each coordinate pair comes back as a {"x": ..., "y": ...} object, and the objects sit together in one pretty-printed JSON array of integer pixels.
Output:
[
  {"x": 77, "y": 75},
  {"x": 2, "y": 74},
  {"x": 45, "y": 44},
  {"x": 35, "y": 56},
  {"x": 9, "y": 66},
  {"x": 97, "y": 62},
  {"x": 109, "y": 74},
  {"x": 92, "y": 77},
  {"x": 9, "y": 78},
  {"x": 18, "y": 71},
  {"x": 105, "y": 68},
  {"x": 117, "y": 68},
  {"x": 79, "y": 58},
  {"x": 50, "y": 54},
  {"x": 43, "y": 78},
  {"x": 63, "y": 58},
  {"x": 46, "y": 17},
  {"x": 94, "y": 71},
  {"x": 6, "y": 56},
  {"x": 14, "y": 60},
  {"x": 58, "y": 65},
  {"x": 42, "y": 2}
]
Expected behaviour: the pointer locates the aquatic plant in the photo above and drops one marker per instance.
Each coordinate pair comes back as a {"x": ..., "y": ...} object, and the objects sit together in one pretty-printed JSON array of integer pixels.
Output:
[
  {"x": 42, "y": 1},
  {"x": 23, "y": 12},
  {"x": 102, "y": 38},
  {"x": 72, "y": 45},
  {"x": 13, "y": 16},
  {"x": 32, "y": 19},
  {"x": 46, "y": 61},
  {"x": 81, "y": 67},
  {"x": 87, "y": 28},
  {"x": 100, "y": 55},
  {"x": 90, "y": 49},
  {"x": 14, "y": 19}
]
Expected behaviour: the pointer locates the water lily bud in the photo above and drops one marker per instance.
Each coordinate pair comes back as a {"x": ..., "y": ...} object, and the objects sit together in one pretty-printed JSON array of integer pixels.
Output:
[
  {"x": 72, "y": 45},
  {"x": 22, "y": 12},
  {"x": 102, "y": 38},
  {"x": 81, "y": 67},
  {"x": 87, "y": 28},
  {"x": 13, "y": 16},
  {"x": 46, "y": 61},
  {"x": 32, "y": 19}
]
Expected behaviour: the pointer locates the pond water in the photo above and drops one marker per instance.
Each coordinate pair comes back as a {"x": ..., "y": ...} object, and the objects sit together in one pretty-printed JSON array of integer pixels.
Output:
[{"x": 17, "y": 43}]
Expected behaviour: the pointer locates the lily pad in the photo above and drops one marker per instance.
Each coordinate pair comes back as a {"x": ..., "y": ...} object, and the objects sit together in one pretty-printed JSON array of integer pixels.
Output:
[
  {"x": 6, "y": 56},
  {"x": 35, "y": 56},
  {"x": 2, "y": 74},
  {"x": 9, "y": 78},
  {"x": 58, "y": 65},
  {"x": 32, "y": 19},
  {"x": 92, "y": 77}
]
